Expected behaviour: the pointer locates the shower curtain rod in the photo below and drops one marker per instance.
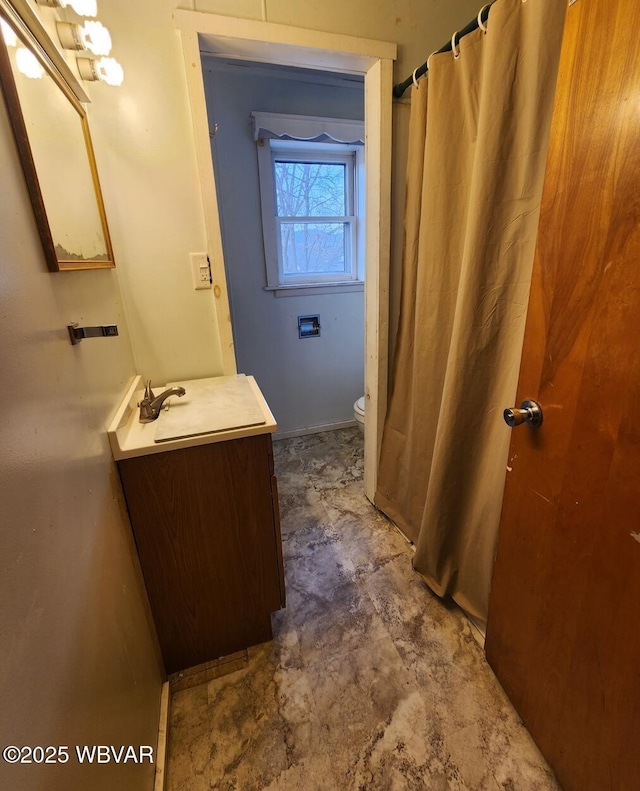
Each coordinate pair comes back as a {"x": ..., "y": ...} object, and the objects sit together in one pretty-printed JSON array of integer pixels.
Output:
[{"x": 399, "y": 89}]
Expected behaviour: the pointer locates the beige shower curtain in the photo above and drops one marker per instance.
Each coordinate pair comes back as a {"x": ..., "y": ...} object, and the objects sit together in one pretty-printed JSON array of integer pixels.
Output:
[{"x": 477, "y": 153}]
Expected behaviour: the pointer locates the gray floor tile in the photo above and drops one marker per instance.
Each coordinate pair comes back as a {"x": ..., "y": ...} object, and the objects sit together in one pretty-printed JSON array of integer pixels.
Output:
[{"x": 370, "y": 683}]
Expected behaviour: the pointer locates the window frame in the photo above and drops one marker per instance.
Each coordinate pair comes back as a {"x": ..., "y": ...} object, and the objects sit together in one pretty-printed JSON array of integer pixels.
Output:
[{"x": 352, "y": 155}]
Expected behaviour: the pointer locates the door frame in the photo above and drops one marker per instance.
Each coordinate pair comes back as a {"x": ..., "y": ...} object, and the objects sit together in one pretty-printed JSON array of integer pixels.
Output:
[{"x": 247, "y": 39}]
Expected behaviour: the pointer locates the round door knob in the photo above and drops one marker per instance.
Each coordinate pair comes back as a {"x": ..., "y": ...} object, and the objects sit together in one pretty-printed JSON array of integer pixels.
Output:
[{"x": 530, "y": 412}]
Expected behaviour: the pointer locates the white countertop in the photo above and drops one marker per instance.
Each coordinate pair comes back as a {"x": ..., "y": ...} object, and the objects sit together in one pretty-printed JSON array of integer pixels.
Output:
[{"x": 130, "y": 438}]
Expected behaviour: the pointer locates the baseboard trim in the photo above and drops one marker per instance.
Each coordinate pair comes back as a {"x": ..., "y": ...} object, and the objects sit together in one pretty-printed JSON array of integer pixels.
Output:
[
  {"x": 301, "y": 432},
  {"x": 163, "y": 735}
]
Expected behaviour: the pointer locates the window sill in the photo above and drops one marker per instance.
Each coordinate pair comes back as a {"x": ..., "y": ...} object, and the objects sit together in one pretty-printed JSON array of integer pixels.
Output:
[{"x": 309, "y": 289}]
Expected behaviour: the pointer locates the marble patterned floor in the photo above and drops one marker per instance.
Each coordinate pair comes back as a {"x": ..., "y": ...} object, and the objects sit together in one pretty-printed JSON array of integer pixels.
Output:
[{"x": 371, "y": 683}]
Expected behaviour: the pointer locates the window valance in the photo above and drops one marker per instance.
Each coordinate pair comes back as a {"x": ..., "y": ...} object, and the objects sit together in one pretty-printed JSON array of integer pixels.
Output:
[{"x": 278, "y": 126}]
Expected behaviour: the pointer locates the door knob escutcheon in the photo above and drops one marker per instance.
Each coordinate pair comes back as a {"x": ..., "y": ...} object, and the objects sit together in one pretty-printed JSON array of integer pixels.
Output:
[{"x": 530, "y": 413}]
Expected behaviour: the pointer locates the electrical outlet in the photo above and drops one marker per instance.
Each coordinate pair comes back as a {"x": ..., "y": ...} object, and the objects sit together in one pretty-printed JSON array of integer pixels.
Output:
[{"x": 200, "y": 270}]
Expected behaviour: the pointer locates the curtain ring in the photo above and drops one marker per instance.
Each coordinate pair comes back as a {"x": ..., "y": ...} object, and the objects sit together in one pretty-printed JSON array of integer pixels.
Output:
[
  {"x": 481, "y": 24},
  {"x": 456, "y": 55},
  {"x": 435, "y": 52},
  {"x": 413, "y": 77}
]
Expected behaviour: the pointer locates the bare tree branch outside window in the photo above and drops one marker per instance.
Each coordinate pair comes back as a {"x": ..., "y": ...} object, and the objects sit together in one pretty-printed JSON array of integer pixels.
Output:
[{"x": 311, "y": 200}]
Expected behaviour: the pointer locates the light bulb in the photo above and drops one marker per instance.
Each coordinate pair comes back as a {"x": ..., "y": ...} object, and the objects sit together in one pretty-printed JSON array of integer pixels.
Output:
[
  {"x": 105, "y": 69},
  {"x": 110, "y": 71},
  {"x": 96, "y": 38},
  {"x": 28, "y": 64},
  {"x": 10, "y": 38}
]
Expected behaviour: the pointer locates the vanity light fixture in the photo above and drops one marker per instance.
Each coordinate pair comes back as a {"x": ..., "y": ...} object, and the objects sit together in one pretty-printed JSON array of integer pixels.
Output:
[
  {"x": 10, "y": 38},
  {"x": 92, "y": 36},
  {"x": 81, "y": 7},
  {"x": 28, "y": 64},
  {"x": 105, "y": 69}
]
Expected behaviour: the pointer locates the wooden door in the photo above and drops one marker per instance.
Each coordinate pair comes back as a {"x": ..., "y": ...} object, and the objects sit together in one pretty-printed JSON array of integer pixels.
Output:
[{"x": 564, "y": 620}]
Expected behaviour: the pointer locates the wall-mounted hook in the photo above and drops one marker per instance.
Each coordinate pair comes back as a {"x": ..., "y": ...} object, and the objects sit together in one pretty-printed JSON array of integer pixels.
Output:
[{"x": 77, "y": 333}]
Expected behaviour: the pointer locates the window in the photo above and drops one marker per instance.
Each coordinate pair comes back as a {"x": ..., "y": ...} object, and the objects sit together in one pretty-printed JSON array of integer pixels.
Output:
[
  {"x": 315, "y": 219},
  {"x": 312, "y": 205}
]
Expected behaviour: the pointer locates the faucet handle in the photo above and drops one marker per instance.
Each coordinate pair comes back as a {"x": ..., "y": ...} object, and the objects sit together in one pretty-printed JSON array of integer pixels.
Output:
[{"x": 148, "y": 396}]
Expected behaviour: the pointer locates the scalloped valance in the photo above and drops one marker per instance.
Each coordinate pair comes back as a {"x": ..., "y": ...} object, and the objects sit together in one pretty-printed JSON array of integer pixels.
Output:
[{"x": 278, "y": 126}]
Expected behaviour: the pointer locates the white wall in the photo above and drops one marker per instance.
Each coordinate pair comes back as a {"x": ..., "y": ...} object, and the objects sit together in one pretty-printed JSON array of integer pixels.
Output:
[
  {"x": 78, "y": 663},
  {"x": 145, "y": 153},
  {"x": 310, "y": 382}
]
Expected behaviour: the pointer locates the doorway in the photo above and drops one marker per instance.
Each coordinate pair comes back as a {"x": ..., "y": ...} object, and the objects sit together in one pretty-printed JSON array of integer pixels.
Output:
[
  {"x": 270, "y": 43},
  {"x": 310, "y": 377}
]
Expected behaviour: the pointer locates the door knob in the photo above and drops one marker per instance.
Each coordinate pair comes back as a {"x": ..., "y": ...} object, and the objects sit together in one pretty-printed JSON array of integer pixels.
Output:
[{"x": 530, "y": 412}]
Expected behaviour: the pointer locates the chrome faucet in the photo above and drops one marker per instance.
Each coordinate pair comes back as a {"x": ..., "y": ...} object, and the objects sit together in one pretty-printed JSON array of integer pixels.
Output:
[{"x": 151, "y": 405}]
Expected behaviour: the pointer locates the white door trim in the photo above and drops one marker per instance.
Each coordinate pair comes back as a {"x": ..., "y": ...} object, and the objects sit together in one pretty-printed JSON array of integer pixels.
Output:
[{"x": 264, "y": 41}]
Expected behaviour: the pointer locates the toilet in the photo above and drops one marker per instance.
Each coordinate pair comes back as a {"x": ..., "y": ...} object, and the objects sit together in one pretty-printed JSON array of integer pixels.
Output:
[{"x": 358, "y": 413}]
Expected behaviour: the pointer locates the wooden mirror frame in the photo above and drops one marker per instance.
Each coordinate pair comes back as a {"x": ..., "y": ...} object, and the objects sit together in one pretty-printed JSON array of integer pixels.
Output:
[{"x": 32, "y": 34}]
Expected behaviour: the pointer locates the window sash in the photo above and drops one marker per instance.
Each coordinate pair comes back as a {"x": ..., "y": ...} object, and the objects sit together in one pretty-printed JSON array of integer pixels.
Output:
[
  {"x": 346, "y": 163},
  {"x": 348, "y": 274},
  {"x": 309, "y": 156}
]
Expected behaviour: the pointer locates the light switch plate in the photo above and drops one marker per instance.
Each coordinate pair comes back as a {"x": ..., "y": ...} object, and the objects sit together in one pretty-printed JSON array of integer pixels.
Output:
[{"x": 200, "y": 270}]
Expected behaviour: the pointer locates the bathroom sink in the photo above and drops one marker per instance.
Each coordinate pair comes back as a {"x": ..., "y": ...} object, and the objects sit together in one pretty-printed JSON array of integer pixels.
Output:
[
  {"x": 212, "y": 410},
  {"x": 210, "y": 405}
]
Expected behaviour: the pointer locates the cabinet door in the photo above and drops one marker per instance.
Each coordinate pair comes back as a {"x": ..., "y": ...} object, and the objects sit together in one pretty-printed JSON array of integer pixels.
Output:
[{"x": 204, "y": 525}]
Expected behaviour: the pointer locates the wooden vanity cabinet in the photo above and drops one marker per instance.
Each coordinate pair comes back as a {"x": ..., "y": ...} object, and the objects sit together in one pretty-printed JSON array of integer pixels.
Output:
[{"x": 207, "y": 528}]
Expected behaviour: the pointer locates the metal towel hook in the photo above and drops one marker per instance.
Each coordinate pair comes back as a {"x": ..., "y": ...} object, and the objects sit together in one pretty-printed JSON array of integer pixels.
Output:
[{"x": 77, "y": 333}]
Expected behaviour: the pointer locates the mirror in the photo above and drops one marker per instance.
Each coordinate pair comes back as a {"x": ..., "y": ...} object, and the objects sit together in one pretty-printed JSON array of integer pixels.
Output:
[{"x": 52, "y": 136}]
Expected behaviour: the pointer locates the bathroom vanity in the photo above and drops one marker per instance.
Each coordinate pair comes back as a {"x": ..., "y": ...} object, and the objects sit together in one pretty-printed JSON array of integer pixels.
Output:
[{"x": 204, "y": 513}]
